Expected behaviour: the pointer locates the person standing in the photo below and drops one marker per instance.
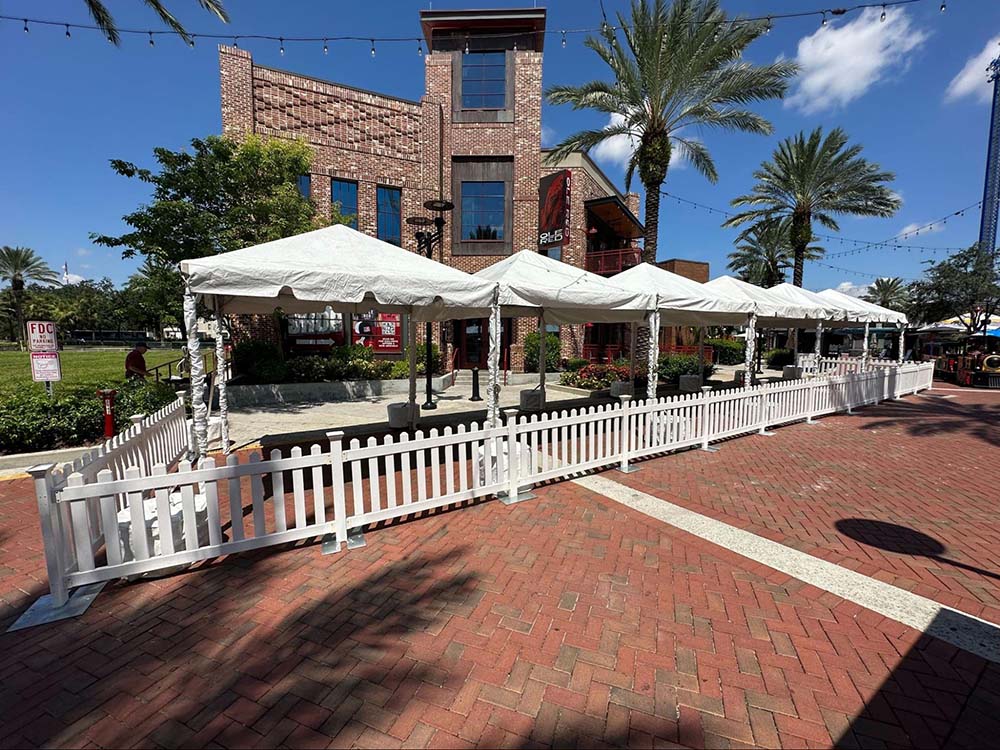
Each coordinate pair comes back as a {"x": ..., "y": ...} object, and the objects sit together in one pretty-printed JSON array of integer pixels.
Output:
[{"x": 135, "y": 362}]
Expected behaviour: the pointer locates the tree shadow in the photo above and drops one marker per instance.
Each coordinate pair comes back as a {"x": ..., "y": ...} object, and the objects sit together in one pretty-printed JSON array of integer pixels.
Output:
[
  {"x": 937, "y": 696},
  {"x": 256, "y": 651},
  {"x": 902, "y": 540},
  {"x": 931, "y": 417}
]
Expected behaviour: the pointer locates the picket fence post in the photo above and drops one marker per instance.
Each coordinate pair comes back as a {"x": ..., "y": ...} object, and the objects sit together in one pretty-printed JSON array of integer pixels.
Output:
[
  {"x": 705, "y": 434},
  {"x": 336, "y": 438},
  {"x": 53, "y": 535},
  {"x": 513, "y": 459},
  {"x": 763, "y": 412},
  {"x": 811, "y": 413},
  {"x": 623, "y": 433}
]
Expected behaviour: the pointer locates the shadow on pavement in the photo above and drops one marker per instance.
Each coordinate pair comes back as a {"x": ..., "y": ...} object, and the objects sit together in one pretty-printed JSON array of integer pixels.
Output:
[{"x": 930, "y": 417}]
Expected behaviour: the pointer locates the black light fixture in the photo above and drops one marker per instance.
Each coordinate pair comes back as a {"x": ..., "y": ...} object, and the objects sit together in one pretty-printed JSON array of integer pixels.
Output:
[{"x": 426, "y": 240}]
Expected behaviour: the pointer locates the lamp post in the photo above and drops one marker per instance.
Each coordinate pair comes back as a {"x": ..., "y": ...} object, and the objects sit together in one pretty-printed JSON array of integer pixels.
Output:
[{"x": 426, "y": 240}]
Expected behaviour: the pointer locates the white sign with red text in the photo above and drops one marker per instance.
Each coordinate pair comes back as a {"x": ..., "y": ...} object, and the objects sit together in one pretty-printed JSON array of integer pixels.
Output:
[
  {"x": 45, "y": 367},
  {"x": 42, "y": 336}
]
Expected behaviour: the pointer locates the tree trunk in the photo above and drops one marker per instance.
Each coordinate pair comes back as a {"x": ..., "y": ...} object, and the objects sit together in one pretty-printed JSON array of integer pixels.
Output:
[
  {"x": 18, "y": 295},
  {"x": 652, "y": 219},
  {"x": 800, "y": 235}
]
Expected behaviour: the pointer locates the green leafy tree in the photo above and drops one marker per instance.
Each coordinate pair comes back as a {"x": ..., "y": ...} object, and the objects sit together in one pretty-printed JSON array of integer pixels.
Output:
[
  {"x": 812, "y": 177},
  {"x": 154, "y": 295},
  {"x": 890, "y": 292},
  {"x": 965, "y": 285},
  {"x": 764, "y": 254},
  {"x": 679, "y": 68},
  {"x": 106, "y": 22},
  {"x": 18, "y": 266},
  {"x": 224, "y": 194}
]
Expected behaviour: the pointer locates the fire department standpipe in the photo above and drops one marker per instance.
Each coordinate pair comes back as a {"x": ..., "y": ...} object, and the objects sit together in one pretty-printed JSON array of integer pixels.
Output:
[{"x": 108, "y": 399}]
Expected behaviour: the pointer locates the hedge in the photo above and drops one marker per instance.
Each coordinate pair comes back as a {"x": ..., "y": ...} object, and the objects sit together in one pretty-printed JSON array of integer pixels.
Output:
[
  {"x": 552, "y": 356},
  {"x": 259, "y": 362},
  {"x": 778, "y": 358},
  {"x": 728, "y": 351},
  {"x": 672, "y": 366}
]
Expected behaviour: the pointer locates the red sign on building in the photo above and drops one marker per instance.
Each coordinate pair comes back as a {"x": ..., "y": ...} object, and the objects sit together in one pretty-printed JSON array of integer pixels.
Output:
[
  {"x": 553, "y": 209},
  {"x": 381, "y": 332}
]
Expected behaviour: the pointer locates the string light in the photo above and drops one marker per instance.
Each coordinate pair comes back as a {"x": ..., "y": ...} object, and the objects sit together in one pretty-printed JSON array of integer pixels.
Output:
[
  {"x": 373, "y": 48},
  {"x": 151, "y": 42},
  {"x": 236, "y": 43},
  {"x": 466, "y": 45},
  {"x": 605, "y": 27},
  {"x": 68, "y": 35},
  {"x": 420, "y": 48},
  {"x": 281, "y": 49},
  {"x": 326, "y": 49}
]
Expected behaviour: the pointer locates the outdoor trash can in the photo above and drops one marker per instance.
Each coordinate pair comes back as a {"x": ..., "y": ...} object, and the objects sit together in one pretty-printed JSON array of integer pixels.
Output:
[
  {"x": 791, "y": 372},
  {"x": 621, "y": 388},
  {"x": 690, "y": 383},
  {"x": 399, "y": 415},
  {"x": 532, "y": 400}
]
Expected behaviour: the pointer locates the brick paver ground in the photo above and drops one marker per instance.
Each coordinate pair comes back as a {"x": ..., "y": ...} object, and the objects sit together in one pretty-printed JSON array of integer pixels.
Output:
[
  {"x": 565, "y": 620},
  {"x": 905, "y": 491}
]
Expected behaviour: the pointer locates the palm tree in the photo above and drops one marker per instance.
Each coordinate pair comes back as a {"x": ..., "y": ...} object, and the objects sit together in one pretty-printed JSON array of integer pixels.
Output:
[
  {"x": 19, "y": 265},
  {"x": 678, "y": 68},
  {"x": 815, "y": 178},
  {"x": 890, "y": 292},
  {"x": 765, "y": 254},
  {"x": 106, "y": 22}
]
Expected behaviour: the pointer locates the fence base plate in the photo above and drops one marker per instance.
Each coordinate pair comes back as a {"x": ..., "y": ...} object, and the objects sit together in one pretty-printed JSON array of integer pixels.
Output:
[
  {"x": 710, "y": 448},
  {"x": 630, "y": 470},
  {"x": 506, "y": 499},
  {"x": 355, "y": 538},
  {"x": 766, "y": 433},
  {"x": 331, "y": 545},
  {"x": 43, "y": 611}
]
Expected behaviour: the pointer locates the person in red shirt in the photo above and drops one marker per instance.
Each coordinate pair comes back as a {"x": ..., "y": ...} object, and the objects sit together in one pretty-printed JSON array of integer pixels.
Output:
[{"x": 135, "y": 362}]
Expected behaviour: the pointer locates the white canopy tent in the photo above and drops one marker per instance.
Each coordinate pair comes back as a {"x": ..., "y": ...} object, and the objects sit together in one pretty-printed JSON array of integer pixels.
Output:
[
  {"x": 827, "y": 311},
  {"x": 684, "y": 302},
  {"x": 872, "y": 314},
  {"x": 534, "y": 285},
  {"x": 337, "y": 267}
]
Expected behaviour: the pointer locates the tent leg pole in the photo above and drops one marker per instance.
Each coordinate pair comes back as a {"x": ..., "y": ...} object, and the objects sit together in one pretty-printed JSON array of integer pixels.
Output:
[
  {"x": 701, "y": 355},
  {"x": 199, "y": 409},
  {"x": 542, "y": 355},
  {"x": 493, "y": 360},
  {"x": 633, "y": 340},
  {"x": 653, "y": 355},
  {"x": 751, "y": 344},
  {"x": 221, "y": 373},
  {"x": 411, "y": 355}
]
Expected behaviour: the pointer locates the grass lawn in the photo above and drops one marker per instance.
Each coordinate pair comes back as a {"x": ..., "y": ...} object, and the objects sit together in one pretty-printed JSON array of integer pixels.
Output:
[{"x": 80, "y": 367}]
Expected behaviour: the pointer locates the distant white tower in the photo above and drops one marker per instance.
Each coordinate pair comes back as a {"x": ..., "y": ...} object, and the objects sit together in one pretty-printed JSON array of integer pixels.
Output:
[{"x": 65, "y": 272}]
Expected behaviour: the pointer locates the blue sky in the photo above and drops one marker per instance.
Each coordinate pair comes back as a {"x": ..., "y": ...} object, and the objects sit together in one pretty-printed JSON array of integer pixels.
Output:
[{"x": 912, "y": 90}]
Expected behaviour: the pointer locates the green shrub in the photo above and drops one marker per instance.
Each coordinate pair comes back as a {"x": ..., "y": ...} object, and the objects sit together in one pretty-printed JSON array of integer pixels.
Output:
[
  {"x": 31, "y": 421},
  {"x": 552, "y": 357},
  {"x": 778, "y": 358},
  {"x": 672, "y": 366},
  {"x": 728, "y": 351},
  {"x": 575, "y": 363},
  {"x": 594, "y": 377},
  {"x": 422, "y": 360},
  {"x": 308, "y": 369}
]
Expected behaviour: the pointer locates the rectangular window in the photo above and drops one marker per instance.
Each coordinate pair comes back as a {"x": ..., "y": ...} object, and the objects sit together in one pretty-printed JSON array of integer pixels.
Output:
[
  {"x": 390, "y": 215},
  {"x": 344, "y": 194},
  {"x": 484, "y": 80},
  {"x": 482, "y": 211},
  {"x": 305, "y": 183}
]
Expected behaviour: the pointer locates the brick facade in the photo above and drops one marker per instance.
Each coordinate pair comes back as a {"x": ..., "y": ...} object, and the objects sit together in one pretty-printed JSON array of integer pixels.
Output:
[{"x": 377, "y": 140}]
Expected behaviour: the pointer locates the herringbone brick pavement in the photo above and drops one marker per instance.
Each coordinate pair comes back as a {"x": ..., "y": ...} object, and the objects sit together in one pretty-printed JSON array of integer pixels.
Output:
[{"x": 905, "y": 492}]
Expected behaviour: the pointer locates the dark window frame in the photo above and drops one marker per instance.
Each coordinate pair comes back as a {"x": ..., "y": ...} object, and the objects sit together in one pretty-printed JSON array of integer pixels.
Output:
[
  {"x": 466, "y": 169},
  {"x": 306, "y": 181},
  {"x": 480, "y": 211},
  {"x": 379, "y": 213},
  {"x": 479, "y": 114},
  {"x": 337, "y": 180}
]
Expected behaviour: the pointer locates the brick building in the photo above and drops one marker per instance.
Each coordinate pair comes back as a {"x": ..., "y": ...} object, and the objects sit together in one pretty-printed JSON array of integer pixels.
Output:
[{"x": 473, "y": 138}]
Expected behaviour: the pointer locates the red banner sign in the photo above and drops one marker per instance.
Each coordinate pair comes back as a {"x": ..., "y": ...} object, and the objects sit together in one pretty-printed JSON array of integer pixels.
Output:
[
  {"x": 553, "y": 209},
  {"x": 382, "y": 332}
]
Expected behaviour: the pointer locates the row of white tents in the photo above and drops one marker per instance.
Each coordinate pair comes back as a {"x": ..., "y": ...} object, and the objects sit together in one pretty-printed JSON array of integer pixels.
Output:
[{"x": 350, "y": 272}]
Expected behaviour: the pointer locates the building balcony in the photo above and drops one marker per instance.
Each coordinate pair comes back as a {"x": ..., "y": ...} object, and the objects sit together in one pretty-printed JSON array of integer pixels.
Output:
[{"x": 609, "y": 262}]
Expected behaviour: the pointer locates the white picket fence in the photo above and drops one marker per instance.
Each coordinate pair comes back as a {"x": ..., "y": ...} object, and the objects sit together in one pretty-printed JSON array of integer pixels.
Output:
[{"x": 209, "y": 510}]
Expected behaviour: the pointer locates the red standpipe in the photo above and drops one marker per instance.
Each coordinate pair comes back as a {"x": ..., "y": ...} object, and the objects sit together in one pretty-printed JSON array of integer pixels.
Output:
[{"x": 108, "y": 398}]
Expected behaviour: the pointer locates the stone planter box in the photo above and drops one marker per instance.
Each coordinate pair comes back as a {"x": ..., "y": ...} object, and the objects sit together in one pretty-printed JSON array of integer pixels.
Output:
[{"x": 342, "y": 390}]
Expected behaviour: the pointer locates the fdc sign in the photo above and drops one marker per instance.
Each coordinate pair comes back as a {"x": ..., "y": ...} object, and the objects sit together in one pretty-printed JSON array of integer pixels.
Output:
[{"x": 42, "y": 336}]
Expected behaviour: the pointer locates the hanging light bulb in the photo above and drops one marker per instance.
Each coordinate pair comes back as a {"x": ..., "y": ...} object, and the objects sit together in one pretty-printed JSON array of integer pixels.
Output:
[
  {"x": 564, "y": 40},
  {"x": 767, "y": 27},
  {"x": 68, "y": 35},
  {"x": 882, "y": 17},
  {"x": 420, "y": 48},
  {"x": 466, "y": 45},
  {"x": 26, "y": 30},
  {"x": 151, "y": 42},
  {"x": 236, "y": 43},
  {"x": 823, "y": 22},
  {"x": 373, "y": 47},
  {"x": 715, "y": 36},
  {"x": 326, "y": 49},
  {"x": 944, "y": 6},
  {"x": 515, "y": 45},
  {"x": 191, "y": 42},
  {"x": 281, "y": 49}
]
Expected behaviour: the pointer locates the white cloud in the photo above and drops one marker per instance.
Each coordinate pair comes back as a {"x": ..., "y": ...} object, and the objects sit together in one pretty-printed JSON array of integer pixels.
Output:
[
  {"x": 618, "y": 149},
  {"x": 840, "y": 63},
  {"x": 548, "y": 136},
  {"x": 75, "y": 278},
  {"x": 854, "y": 290},
  {"x": 971, "y": 80},
  {"x": 83, "y": 252},
  {"x": 913, "y": 226}
]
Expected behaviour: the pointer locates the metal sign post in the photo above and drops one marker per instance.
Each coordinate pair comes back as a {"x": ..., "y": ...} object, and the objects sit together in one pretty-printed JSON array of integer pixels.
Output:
[{"x": 43, "y": 341}]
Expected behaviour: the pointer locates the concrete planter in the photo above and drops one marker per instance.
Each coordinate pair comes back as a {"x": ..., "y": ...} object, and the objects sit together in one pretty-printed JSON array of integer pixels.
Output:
[{"x": 341, "y": 390}]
